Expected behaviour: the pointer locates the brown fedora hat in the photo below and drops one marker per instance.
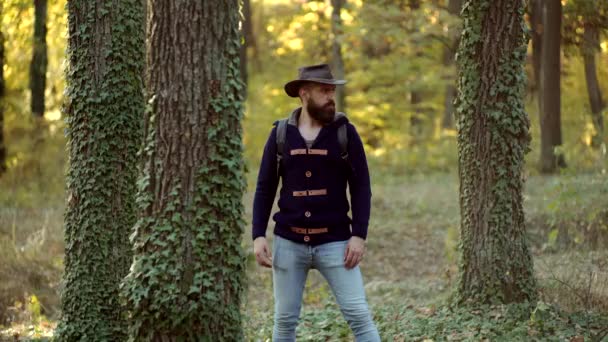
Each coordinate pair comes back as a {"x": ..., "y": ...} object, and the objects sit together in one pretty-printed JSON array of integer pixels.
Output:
[{"x": 319, "y": 73}]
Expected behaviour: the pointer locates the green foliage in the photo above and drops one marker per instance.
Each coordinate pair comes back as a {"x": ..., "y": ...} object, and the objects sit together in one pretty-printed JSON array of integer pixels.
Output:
[
  {"x": 187, "y": 276},
  {"x": 579, "y": 13},
  {"x": 573, "y": 211},
  {"x": 402, "y": 322},
  {"x": 493, "y": 137},
  {"x": 104, "y": 107}
]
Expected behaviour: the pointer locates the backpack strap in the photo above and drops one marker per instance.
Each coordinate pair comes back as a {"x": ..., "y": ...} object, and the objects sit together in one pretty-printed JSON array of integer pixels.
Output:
[
  {"x": 343, "y": 141},
  {"x": 281, "y": 135}
]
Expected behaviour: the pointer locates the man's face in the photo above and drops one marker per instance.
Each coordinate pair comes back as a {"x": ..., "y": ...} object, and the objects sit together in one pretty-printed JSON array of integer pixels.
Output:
[{"x": 319, "y": 101}]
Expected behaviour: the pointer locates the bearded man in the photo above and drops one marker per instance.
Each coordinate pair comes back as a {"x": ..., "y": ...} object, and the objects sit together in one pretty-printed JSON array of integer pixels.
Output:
[{"x": 316, "y": 152}]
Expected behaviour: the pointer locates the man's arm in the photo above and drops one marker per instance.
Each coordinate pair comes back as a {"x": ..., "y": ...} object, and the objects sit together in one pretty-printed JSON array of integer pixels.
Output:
[
  {"x": 266, "y": 188},
  {"x": 358, "y": 184},
  {"x": 360, "y": 196}
]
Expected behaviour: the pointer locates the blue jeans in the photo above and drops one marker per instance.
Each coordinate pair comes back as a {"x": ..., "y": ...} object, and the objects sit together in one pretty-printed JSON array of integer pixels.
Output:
[{"x": 291, "y": 262}]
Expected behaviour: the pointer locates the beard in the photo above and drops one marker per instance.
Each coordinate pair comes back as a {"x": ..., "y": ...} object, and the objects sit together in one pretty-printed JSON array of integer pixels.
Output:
[{"x": 324, "y": 113}]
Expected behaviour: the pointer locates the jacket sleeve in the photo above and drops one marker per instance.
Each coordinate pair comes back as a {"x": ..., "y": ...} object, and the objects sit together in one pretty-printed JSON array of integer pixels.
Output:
[
  {"x": 266, "y": 188},
  {"x": 358, "y": 184}
]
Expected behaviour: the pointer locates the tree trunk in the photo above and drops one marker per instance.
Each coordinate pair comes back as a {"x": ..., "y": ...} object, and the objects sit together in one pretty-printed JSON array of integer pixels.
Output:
[
  {"x": 536, "y": 21},
  {"x": 104, "y": 109},
  {"x": 417, "y": 118},
  {"x": 39, "y": 59},
  {"x": 550, "y": 94},
  {"x": 2, "y": 87},
  {"x": 590, "y": 46},
  {"x": 454, "y": 7},
  {"x": 493, "y": 137},
  {"x": 186, "y": 279},
  {"x": 336, "y": 56}
]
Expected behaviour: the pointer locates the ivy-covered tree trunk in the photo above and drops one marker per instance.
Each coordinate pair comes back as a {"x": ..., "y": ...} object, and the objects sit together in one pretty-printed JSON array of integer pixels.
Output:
[
  {"x": 589, "y": 49},
  {"x": 39, "y": 59},
  {"x": 104, "y": 110},
  {"x": 336, "y": 51},
  {"x": 493, "y": 137},
  {"x": 186, "y": 279},
  {"x": 550, "y": 93},
  {"x": 2, "y": 87}
]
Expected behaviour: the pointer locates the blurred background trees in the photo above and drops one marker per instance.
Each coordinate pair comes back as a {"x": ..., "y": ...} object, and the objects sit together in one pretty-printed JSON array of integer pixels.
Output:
[{"x": 397, "y": 56}]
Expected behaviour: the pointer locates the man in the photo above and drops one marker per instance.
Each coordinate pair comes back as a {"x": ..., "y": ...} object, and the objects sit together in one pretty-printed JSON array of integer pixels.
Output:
[{"x": 312, "y": 228}]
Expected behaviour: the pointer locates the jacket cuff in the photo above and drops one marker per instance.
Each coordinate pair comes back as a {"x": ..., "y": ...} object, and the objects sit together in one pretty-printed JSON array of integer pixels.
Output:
[
  {"x": 359, "y": 230},
  {"x": 256, "y": 233}
]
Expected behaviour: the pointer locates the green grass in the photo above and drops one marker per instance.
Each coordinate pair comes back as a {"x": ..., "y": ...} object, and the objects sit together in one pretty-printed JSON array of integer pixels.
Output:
[{"x": 410, "y": 267}]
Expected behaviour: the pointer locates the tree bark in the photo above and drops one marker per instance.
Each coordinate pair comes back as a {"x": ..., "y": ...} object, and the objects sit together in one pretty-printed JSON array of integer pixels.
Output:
[
  {"x": 2, "y": 91},
  {"x": 493, "y": 137},
  {"x": 337, "y": 62},
  {"x": 186, "y": 279},
  {"x": 104, "y": 110},
  {"x": 590, "y": 46},
  {"x": 39, "y": 59},
  {"x": 550, "y": 93},
  {"x": 454, "y": 7}
]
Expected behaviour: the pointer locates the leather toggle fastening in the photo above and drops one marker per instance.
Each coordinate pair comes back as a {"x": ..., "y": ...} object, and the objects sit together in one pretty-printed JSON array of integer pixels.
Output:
[
  {"x": 309, "y": 231},
  {"x": 297, "y": 151},
  {"x": 320, "y": 192},
  {"x": 317, "y": 152},
  {"x": 312, "y": 151}
]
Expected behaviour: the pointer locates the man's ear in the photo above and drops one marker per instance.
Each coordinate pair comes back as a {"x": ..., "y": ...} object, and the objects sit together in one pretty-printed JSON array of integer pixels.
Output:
[{"x": 303, "y": 93}]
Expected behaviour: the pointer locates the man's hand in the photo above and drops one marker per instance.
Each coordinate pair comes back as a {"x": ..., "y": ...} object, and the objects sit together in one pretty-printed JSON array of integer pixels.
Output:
[
  {"x": 354, "y": 252},
  {"x": 263, "y": 254}
]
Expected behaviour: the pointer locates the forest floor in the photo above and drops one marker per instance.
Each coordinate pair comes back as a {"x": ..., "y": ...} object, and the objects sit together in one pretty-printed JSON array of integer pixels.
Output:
[{"x": 410, "y": 268}]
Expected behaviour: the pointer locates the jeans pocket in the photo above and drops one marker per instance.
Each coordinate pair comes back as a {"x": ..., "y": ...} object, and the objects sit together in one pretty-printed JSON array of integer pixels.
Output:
[{"x": 279, "y": 254}]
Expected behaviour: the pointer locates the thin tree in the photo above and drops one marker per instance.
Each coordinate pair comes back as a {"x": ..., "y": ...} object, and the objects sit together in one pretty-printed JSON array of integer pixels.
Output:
[
  {"x": 454, "y": 7},
  {"x": 2, "y": 87},
  {"x": 536, "y": 22},
  {"x": 104, "y": 113},
  {"x": 186, "y": 279},
  {"x": 336, "y": 51},
  {"x": 417, "y": 118},
  {"x": 493, "y": 137},
  {"x": 589, "y": 49},
  {"x": 39, "y": 61},
  {"x": 550, "y": 93}
]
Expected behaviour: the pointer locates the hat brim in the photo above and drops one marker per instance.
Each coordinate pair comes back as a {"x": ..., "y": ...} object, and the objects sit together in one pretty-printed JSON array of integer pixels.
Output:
[{"x": 291, "y": 88}]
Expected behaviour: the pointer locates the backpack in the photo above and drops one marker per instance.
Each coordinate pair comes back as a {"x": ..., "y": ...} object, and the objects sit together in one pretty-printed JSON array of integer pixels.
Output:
[{"x": 282, "y": 134}]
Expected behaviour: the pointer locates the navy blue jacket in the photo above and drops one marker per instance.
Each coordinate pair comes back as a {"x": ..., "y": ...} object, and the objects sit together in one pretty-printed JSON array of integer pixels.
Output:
[{"x": 313, "y": 191}]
